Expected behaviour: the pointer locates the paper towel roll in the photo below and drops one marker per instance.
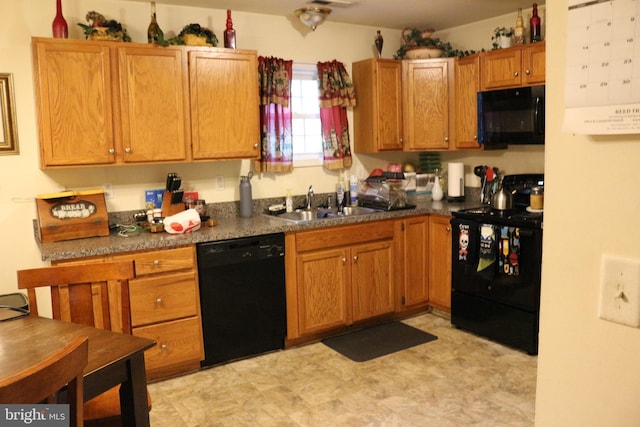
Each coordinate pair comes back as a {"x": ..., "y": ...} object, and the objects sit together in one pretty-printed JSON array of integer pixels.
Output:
[{"x": 455, "y": 180}]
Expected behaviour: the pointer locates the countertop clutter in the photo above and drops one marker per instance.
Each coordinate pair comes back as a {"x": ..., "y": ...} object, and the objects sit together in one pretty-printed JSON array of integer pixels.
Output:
[{"x": 229, "y": 226}]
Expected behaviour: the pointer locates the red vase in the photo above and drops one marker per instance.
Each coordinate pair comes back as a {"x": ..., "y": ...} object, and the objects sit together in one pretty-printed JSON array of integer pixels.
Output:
[{"x": 59, "y": 26}]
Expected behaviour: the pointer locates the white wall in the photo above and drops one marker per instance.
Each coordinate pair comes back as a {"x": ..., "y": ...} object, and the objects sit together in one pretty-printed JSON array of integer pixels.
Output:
[{"x": 588, "y": 370}]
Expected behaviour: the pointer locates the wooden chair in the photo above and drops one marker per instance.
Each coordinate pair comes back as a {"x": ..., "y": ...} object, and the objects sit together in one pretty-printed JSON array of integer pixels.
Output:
[
  {"x": 42, "y": 381},
  {"x": 90, "y": 294}
]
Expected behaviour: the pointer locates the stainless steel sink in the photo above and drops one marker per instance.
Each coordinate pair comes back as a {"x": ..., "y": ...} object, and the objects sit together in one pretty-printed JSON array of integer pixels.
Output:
[{"x": 304, "y": 215}]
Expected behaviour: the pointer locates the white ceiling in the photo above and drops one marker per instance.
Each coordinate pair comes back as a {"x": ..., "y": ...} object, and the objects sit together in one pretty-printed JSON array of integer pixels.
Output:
[{"x": 398, "y": 14}]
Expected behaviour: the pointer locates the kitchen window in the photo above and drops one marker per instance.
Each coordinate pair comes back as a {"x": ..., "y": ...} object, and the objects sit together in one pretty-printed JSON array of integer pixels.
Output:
[{"x": 305, "y": 111}]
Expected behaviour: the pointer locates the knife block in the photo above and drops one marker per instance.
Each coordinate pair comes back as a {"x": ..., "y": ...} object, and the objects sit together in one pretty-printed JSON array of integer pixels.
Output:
[{"x": 169, "y": 208}]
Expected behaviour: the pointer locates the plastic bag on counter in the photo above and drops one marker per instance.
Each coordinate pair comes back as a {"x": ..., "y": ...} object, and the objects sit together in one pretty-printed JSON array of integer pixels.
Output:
[{"x": 184, "y": 222}]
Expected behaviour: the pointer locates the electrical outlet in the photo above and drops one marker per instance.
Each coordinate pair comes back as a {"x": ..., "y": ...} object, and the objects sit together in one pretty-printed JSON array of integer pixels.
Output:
[
  {"x": 620, "y": 290},
  {"x": 219, "y": 183},
  {"x": 108, "y": 190}
]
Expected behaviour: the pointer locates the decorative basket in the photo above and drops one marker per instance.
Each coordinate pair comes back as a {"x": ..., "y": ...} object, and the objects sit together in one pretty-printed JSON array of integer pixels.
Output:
[
  {"x": 193, "y": 40},
  {"x": 102, "y": 33},
  {"x": 424, "y": 52}
]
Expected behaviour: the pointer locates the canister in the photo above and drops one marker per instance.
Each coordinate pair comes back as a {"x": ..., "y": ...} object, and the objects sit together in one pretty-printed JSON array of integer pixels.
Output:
[{"x": 536, "y": 200}]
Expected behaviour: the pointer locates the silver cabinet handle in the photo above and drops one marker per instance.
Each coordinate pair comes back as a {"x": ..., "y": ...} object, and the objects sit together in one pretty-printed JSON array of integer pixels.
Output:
[
  {"x": 159, "y": 301},
  {"x": 446, "y": 139},
  {"x": 527, "y": 72},
  {"x": 112, "y": 151},
  {"x": 344, "y": 260},
  {"x": 516, "y": 74},
  {"x": 127, "y": 150},
  {"x": 163, "y": 347},
  {"x": 156, "y": 262},
  {"x": 355, "y": 258}
]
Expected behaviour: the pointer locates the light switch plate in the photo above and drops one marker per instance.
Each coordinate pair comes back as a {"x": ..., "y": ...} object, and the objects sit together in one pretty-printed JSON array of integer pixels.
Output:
[{"x": 620, "y": 290}]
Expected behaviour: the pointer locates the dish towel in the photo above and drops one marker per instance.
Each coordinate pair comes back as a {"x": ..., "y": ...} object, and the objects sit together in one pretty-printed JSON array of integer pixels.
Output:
[
  {"x": 463, "y": 242},
  {"x": 487, "y": 252},
  {"x": 509, "y": 251}
]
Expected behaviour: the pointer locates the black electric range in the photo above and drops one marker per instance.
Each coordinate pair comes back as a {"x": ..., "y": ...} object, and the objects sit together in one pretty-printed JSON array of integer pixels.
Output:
[{"x": 496, "y": 268}]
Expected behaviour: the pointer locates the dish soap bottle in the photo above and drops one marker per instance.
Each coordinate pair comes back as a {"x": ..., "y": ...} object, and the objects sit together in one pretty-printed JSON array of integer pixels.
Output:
[
  {"x": 340, "y": 194},
  {"x": 288, "y": 201},
  {"x": 353, "y": 191},
  {"x": 229, "y": 33}
]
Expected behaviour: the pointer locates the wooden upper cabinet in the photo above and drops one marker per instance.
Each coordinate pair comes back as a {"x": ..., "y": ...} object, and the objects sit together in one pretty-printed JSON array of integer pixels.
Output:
[
  {"x": 74, "y": 102},
  {"x": 467, "y": 85},
  {"x": 428, "y": 103},
  {"x": 377, "y": 115},
  {"x": 102, "y": 103},
  {"x": 153, "y": 103},
  {"x": 513, "y": 67},
  {"x": 225, "y": 121},
  {"x": 534, "y": 64}
]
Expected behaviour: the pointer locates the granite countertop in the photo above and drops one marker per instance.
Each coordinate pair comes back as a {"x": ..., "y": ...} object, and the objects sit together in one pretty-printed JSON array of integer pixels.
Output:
[{"x": 229, "y": 226}]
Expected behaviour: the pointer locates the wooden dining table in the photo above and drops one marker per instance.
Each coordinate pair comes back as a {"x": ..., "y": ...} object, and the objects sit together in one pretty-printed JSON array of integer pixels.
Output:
[{"x": 114, "y": 358}]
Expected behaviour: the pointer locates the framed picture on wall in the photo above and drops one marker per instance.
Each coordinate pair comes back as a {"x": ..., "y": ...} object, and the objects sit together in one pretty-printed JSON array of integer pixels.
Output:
[{"x": 8, "y": 127}]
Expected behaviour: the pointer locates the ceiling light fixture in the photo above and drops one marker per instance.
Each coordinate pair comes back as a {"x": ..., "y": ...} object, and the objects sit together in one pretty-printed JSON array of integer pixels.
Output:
[{"x": 312, "y": 16}]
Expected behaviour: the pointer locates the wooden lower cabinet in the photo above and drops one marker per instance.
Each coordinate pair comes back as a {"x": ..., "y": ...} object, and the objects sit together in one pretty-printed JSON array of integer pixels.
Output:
[
  {"x": 323, "y": 281},
  {"x": 178, "y": 348},
  {"x": 440, "y": 262},
  {"x": 165, "y": 306},
  {"x": 412, "y": 240},
  {"x": 332, "y": 288},
  {"x": 372, "y": 267}
]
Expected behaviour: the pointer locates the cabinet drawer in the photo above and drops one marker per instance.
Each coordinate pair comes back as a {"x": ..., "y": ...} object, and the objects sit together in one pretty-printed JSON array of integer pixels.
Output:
[
  {"x": 156, "y": 299},
  {"x": 347, "y": 235},
  {"x": 177, "y": 341},
  {"x": 161, "y": 261}
]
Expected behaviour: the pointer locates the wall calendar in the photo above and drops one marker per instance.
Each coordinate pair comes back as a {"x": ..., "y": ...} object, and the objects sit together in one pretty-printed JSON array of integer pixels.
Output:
[{"x": 602, "y": 89}]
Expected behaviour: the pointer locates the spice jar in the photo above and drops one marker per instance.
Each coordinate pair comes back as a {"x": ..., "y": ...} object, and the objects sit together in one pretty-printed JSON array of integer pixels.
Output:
[{"x": 536, "y": 200}]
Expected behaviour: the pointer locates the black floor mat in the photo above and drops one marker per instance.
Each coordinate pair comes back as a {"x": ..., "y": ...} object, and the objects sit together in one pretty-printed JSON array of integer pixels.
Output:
[{"x": 377, "y": 341}]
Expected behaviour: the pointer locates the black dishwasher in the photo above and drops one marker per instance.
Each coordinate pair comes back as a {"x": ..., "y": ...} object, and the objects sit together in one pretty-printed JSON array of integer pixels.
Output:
[{"x": 242, "y": 297}]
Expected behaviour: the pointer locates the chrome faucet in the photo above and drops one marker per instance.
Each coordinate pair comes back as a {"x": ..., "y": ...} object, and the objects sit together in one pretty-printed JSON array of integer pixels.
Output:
[{"x": 310, "y": 197}]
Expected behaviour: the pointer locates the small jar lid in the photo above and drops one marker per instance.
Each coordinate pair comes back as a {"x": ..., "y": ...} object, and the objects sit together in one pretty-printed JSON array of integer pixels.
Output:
[{"x": 537, "y": 190}]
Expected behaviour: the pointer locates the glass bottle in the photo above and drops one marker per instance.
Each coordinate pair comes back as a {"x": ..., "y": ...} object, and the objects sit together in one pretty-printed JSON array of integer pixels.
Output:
[
  {"x": 379, "y": 42},
  {"x": 154, "y": 29},
  {"x": 534, "y": 26},
  {"x": 229, "y": 33},
  {"x": 518, "y": 31},
  {"x": 59, "y": 25}
]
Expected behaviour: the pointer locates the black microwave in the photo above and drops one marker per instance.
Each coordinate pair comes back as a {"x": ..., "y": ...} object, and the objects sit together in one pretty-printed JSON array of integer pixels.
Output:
[{"x": 511, "y": 116}]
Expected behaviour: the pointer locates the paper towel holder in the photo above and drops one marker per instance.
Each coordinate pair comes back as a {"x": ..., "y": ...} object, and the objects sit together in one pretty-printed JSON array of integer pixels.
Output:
[{"x": 455, "y": 182}]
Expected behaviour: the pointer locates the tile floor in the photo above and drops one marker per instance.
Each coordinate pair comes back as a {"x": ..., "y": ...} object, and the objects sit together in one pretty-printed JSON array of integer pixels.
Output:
[{"x": 457, "y": 380}]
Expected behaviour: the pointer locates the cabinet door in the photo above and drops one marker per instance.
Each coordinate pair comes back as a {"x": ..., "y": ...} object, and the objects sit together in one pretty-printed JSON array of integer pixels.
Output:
[
  {"x": 153, "y": 103},
  {"x": 377, "y": 115},
  {"x": 534, "y": 63},
  {"x": 440, "y": 261},
  {"x": 225, "y": 121},
  {"x": 467, "y": 85},
  {"x": 426, "y": 88},
  {"x": 323, "y": 301},
  {"x": 501, "y": 68},
  {"x": 75, "y": 102},
  {"x": 372, "y": 279},
  {"x": 415, "y": 289}
]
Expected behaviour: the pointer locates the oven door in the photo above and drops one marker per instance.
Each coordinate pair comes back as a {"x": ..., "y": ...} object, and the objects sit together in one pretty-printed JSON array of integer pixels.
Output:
[{"x": 513, "y": 278}]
